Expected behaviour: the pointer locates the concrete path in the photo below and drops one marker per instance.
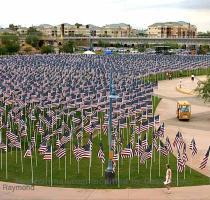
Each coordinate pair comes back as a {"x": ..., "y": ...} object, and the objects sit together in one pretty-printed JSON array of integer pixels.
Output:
[
  {"x": 198, "y": 127},
  {"x": 40, "y": 193}
]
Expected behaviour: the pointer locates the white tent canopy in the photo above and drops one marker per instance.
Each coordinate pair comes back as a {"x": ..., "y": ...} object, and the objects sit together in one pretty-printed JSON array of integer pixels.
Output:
[{"x": 89, "y": 52}]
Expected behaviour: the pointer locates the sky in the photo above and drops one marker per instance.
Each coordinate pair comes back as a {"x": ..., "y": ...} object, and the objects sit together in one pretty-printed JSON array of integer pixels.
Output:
[{"x": 138, "y": 13}]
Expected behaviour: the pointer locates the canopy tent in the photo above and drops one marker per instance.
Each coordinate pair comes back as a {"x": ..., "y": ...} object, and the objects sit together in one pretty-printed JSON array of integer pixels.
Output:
[
  {"x": 108, "y": 52},
  {"x": 89, "y": 52}
]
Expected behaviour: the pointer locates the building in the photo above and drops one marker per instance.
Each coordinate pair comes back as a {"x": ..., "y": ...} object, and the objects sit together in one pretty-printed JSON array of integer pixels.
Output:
[
  {"x": 79, "y": 30},
  {"x": 172, "y": 30},
  {"x": 22, "y": 30}
]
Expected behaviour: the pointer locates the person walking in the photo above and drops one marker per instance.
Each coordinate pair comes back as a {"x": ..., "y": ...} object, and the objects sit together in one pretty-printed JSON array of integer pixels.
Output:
[
  {"x": 180, "y": 82},
  {"x": 192, "y": 77},
  {"x": 167, "y": 182}
]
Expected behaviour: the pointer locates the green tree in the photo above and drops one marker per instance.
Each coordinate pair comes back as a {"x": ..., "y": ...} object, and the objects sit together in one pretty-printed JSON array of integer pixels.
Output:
[
  {"x": 10, "y": 43},
  {"x": 203, "y": 89},
  {"x": 172, "y": 45},
  {"x": 13, "y": 27},
  {"x": 47, "y": 49},
  {"x": 3, "y": 50},
  {"x": 78, "y": 25},
  {"x": 33, "y": 31},
  {"x": 118, "y": 45},
  {"x": 68, "y": 47},
  {"x": 33, "y": 40}
]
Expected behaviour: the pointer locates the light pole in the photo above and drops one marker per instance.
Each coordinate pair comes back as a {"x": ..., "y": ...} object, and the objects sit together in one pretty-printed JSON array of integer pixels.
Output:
[{"x": 109, "y": 173}]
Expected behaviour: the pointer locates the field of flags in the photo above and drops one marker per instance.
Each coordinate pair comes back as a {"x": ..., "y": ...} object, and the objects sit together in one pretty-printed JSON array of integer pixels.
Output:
[{"x": 54, "y": 121}]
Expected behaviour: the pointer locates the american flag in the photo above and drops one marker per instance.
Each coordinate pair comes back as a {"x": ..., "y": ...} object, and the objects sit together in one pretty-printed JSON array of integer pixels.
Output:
[
  {"x": 162, "y": 149},
  {"x": 58, "y": 143},
  {"x": 154, "y": 141},
  {"x": 205, "y": 160},
  {"x": 161, "y": 130},
  {"x": 184, "y": 155},
  {"x": 151, "y": 122},
  {"x": 168, "y": 145},
  {"x": 193, "y": 147},
  {"x": 11, "y": 136},
  {"x": 178, "y": 141},
  {"x": 127, "y": 152},
  {"x": 146, "y": 155},
  {"x": 137, "y": 130},
  {"x": 48, "y": 153},
  {"x": 144, "y": 143},
  {"x": 43, "y": 147},
  {"x": 89, "y": 128},
  {"x": 85, "y": 151},
  {"x": 3, "y": 146},
  {"x": 115, "y": 156},
  {"x": 77, "y": 151},
  {"x": 138, "y": 148},
  {"x": 33, "y": 142},
  {"x": 28, "y": 152},
  {"x": 61, "y": 151},
  {"x": 101, "y": 154},
  {"x": 65, "y": 138},
  {"x": 180, "y": 163},
  {"x": 157, "y": 119},
  {"x": 144, "y": 126}
]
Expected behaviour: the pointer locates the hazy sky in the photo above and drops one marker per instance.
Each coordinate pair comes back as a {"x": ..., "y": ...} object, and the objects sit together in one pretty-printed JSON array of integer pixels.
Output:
[{"x": 138, "y": 13}]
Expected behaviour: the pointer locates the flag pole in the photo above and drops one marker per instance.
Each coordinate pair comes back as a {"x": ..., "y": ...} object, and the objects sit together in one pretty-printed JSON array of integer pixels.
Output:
[
  {"x": 1, "y": 149},
  {"x": 159, "y": 157},
  {"x": 118, "y": 169},
  {"x": 129, "y": 175},
  {"x": 177, "y": 173},
  {"x": 78, "y": 166},
  {"x": 46, "y": 169},
  {"x": 65, "y": 167},
  {"x": 32, "y": 172},
  {"x": 90, "y": 165},
  {"x": 6, "y": 159},
  {"x": 1, "y": 159},
  {"x": 138, "y": 154},
  {"x": 51, "y": 169},
  {"x": 150, "y": 173},
  {"x": 21, "y": 156},
  {"x": 102, "y": 169},
  {"x": 35, "y": 148}
]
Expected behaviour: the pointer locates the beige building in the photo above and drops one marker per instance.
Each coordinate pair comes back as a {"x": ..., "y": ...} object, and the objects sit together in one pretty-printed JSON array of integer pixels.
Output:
[
  {"x": 172, "y": 30},
  {"x": 68, "y": 30}
]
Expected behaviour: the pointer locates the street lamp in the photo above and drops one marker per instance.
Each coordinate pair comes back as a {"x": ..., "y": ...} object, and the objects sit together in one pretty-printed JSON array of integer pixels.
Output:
[{"x": 109, "y": 173}]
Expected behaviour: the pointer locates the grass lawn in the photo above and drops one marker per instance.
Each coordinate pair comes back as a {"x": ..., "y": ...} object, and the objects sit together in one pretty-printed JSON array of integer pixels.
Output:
[{"x": 97, "y": 180}]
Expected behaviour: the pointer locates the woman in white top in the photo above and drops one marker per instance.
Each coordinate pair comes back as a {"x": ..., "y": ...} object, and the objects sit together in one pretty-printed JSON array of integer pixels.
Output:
[{"x": 168, "y": 177}]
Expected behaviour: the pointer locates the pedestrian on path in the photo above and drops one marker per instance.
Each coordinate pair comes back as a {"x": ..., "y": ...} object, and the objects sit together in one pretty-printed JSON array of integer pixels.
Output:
[
  {"x": 192, "y": 77},
  {"x": 180, "y": 82},
  {"x": 167, "y": 182}
]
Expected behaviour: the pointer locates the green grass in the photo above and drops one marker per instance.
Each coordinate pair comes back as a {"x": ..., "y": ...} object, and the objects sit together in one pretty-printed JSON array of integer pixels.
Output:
[
  {"x": 73, "y": 179},
  {"x": 178, "y": 74}
]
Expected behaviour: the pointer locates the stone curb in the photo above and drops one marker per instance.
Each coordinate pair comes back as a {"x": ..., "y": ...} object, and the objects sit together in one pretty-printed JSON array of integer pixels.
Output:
[{"x": 185, "y": 91}]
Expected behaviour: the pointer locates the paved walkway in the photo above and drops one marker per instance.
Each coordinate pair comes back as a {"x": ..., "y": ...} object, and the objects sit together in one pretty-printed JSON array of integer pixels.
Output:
[
  {"x": 198, "y": 127},
  {"x": 40, "y": 193}
]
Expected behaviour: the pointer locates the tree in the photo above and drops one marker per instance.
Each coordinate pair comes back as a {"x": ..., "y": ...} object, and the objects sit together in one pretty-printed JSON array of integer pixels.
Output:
[
  {"x": 10, "y": 43},
  {"x": 78, "y": 25},
  {"x": 203, "y": 89},
  {"x": 33, "y": 31},
  {"x": 33, "y": 40},
  {"x": 3, "y": 50},
  {"x": 172, "y": 45},
  {"x": 13, "y": 27},
  {"x": 68, "y": 47},
  {"x": 47, "y": 49}
]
